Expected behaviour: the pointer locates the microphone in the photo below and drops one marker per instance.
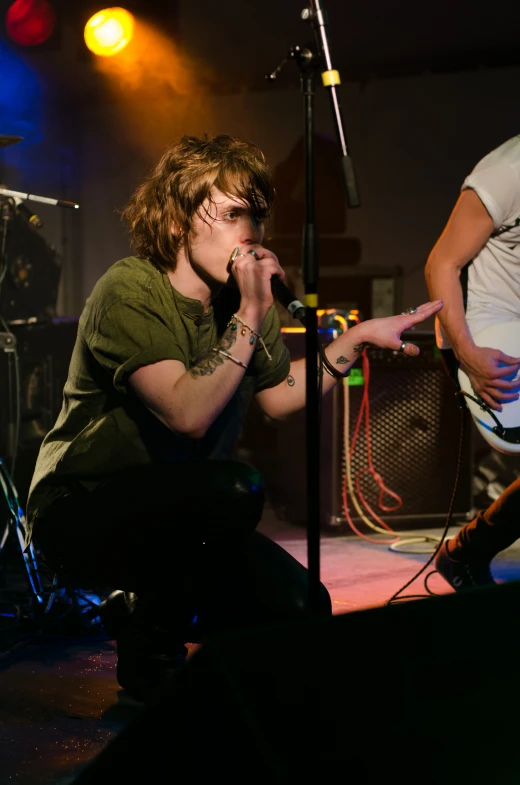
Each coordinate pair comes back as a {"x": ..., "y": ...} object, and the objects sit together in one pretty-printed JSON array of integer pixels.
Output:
[
  {"x": 284, "y": 295},
  {"x": 286, "y": 298},
  {"x": 22, "y": 209}
]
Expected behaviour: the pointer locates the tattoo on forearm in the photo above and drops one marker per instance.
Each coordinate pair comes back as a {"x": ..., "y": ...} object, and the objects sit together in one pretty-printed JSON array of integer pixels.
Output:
[
  {"x": 291, "y": 381},
  {"x": 228, "y": 339},
  {"x": 211, "y": 361},
  {"x": 207, "y": 365},
  {"x": 358, "y": 348}
]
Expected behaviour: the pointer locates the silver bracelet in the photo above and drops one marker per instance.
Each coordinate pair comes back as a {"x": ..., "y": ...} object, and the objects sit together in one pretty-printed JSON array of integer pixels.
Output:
[
  {"x": 329, "y": 372},
  {"x": 229, "y": 356}
]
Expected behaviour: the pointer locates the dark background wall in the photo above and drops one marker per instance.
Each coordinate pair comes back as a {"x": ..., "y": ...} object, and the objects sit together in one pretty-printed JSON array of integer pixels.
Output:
[{"x": 425, "y": 94}]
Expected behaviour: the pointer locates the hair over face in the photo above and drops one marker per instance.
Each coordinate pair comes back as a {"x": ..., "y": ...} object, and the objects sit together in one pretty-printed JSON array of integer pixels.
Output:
[{"x": 160, "y": 212}]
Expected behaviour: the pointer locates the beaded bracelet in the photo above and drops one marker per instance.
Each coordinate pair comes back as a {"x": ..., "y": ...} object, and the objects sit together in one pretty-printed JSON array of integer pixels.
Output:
[
  {"x": 229, "y": 356},
  {"x": 233, "y": 323}
]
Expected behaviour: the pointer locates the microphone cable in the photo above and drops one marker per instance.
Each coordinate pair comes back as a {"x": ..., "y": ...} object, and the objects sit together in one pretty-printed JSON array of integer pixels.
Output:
[{"x": 429, "y": 593}]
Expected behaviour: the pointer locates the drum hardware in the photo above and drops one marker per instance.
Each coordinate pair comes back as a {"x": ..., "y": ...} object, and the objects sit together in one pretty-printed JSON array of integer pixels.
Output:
[
  {"x": 29, "y": 278},
  {"x": 7, "y": 140}
]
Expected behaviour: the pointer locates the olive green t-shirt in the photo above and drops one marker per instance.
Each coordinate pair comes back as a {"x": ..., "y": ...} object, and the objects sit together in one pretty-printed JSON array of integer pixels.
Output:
[{"x": 133, "y": 318}]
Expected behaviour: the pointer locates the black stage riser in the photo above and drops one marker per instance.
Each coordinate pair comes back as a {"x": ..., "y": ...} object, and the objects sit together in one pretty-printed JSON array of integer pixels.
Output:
[{"x": 423, "y": 692}]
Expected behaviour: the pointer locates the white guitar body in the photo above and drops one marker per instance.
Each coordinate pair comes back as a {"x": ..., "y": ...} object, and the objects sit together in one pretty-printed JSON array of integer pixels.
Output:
[{"x": 506, "y": 337}]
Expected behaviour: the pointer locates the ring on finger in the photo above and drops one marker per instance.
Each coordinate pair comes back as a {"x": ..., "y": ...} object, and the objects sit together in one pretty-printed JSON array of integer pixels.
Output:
[
  {"x": 236, "y": 257},
  {"x": 252, "y": 252},
  {"x": 402, "y": 347}
]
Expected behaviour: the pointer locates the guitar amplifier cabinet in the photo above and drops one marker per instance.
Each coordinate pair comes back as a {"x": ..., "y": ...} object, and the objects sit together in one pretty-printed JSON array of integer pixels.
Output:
[{"x": 414, "y": 426}]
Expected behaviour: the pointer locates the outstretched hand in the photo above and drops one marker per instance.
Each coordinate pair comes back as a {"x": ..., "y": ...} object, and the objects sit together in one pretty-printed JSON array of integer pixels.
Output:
[
  {"x": 492, "y": 375},
  {"x": 386, "y": 332}
]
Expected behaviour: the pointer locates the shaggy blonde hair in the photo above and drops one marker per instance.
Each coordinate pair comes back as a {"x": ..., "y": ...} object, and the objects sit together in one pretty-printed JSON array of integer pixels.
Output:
[{"x": 174, "y": 191}]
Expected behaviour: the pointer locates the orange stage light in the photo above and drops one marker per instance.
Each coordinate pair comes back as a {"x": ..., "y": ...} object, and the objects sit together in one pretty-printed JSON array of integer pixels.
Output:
[{"x": 109, "y": 31}]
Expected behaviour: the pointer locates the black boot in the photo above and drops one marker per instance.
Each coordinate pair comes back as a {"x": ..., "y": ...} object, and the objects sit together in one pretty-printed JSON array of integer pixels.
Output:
[
  {"x": 147, "y": 655},
  {"x": 116, "y": 609},
  {"x": 462, "y": 573}
]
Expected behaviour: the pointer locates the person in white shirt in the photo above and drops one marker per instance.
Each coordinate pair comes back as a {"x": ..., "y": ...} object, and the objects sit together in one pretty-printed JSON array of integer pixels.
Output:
[{"x": 475, "y": 268}]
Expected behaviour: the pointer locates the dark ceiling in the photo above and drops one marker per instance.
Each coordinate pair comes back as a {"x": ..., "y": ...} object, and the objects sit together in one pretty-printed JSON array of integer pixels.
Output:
[
  {"x": 367, "y": 37},
  {"x": 240, "y": 41}
]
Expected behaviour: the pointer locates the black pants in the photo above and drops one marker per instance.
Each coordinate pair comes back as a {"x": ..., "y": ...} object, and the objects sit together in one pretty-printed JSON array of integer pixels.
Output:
[{"x": 182, "y": 537}]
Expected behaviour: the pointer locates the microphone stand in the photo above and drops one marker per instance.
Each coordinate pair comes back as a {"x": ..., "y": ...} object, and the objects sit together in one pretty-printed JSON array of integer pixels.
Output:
[
  {"x": 317, "y": 16},
  {"x": 309, "y": 62},
  {"x": 36, "y": 198}
]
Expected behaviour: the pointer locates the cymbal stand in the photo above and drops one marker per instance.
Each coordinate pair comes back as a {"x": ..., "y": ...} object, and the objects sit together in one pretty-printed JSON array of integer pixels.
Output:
[
  {"x": 17, "y": 523},
  {"x": 15, "y": 519},
  {"x": 41, "y": 597}
]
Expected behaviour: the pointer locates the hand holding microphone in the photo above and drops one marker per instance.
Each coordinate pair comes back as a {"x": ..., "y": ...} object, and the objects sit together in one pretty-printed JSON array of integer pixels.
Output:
[{"x": 280, "y": 291}]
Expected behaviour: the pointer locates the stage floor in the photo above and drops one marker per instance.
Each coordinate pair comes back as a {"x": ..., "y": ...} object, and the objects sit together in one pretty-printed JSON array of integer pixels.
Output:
[{"x": 60, "y": 704}]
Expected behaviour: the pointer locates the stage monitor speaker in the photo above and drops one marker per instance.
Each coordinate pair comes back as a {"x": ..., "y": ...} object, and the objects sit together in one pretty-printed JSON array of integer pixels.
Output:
[
  {"x": 414, "y": 436},
  {"x": 44, "y": 350},
  {"x": 420, "y": 692}
]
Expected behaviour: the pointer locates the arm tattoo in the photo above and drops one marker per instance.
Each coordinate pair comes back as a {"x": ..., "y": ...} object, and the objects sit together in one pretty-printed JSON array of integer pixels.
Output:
[
  {"x": 291, "y": 381},
  {"x": 357, "y": 350},
  {"x": 211, "y": 361},
  {"x": 207, "y": 365}
]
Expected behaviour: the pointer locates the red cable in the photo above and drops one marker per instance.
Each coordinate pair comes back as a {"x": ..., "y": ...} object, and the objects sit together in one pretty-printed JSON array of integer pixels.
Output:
[{"x": 365, "y": 409}]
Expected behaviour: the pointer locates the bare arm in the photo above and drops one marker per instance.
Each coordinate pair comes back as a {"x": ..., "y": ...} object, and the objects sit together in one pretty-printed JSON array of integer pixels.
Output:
[
  {"x": 467, "y": 231},
  {"x": 189, "y": 401},
  {"x": 289, "y": 396}
]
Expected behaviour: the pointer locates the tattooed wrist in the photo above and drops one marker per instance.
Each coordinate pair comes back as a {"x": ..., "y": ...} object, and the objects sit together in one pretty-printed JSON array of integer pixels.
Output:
[{"x": 358, "y": 348}]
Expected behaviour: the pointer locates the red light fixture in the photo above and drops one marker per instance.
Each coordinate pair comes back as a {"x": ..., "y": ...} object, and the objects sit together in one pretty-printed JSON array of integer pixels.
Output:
[{"x": 30, "y": 22}]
